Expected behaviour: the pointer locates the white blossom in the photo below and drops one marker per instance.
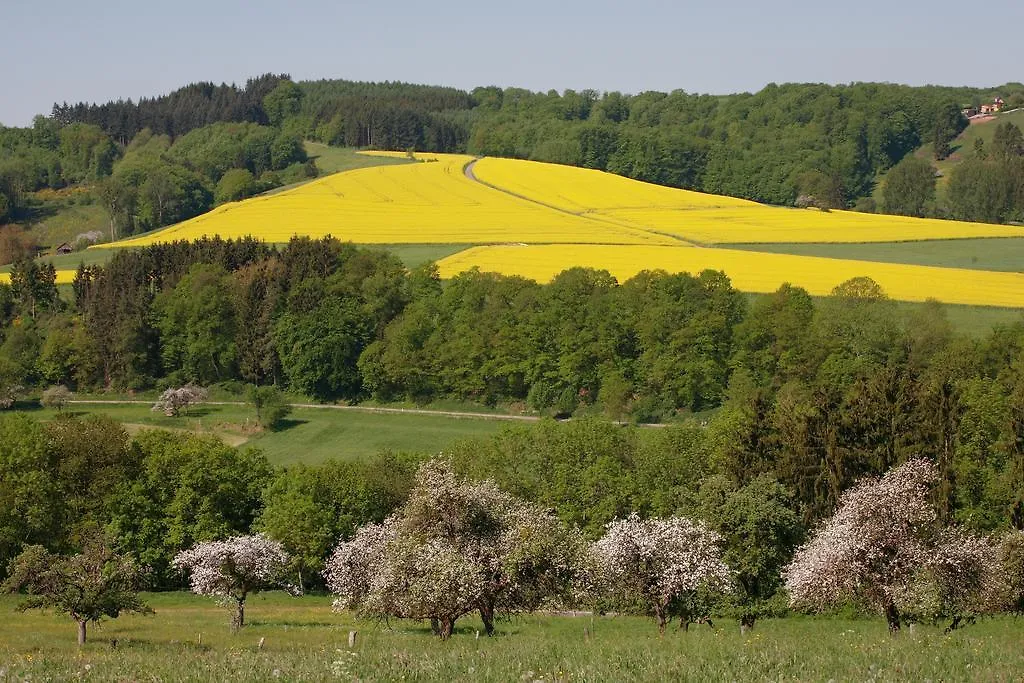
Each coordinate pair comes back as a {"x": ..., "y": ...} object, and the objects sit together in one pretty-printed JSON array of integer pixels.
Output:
[
  {"x": 884, "y": 547},
  {"x": 455, "y": 547},
  {"x": 233, "y": 568},
  {"x": 174, "y": 400},
  {"x": 658, "y": 562}
]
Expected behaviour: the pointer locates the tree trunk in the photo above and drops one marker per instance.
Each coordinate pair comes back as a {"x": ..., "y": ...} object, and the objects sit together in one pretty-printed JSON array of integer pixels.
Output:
[
  {"x": 662, "y": 620},
  {"x": 747, "y": 622},
  {"x": 487, "y": 616},
  {"x": 81, "y": 632},
  {"x": 239, "y": 620},
  {"x": 446, "y": 625},
  {"x": 892, "y": 616}
]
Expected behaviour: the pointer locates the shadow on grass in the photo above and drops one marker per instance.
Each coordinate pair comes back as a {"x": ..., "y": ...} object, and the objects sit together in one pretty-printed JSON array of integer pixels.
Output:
[
  {"x": 290, "y": 623},
  {"x": 286, "y": 424}
]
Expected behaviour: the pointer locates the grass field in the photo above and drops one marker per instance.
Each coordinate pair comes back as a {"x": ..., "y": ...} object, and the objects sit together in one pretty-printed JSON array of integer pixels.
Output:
[
  {"x": 337, "y": 159},
  {"x": 1000, "y": 254},
  {"x": 749, "y": 271},
  {"x": 189, "y": 639},
  {"x": 311, "y": 435}
]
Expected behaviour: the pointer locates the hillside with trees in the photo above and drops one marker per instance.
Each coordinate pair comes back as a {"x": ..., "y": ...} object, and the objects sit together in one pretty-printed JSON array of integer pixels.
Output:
[{"x": 136, "y": 166}]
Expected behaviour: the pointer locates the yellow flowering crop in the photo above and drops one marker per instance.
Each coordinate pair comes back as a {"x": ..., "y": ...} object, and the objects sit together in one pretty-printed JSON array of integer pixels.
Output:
[
  {"x": 707, "y": 218},
  {"x": 749, "y": 271},
  {"x": 424, "y": 203},
  {"x": 64, "y": 277}
]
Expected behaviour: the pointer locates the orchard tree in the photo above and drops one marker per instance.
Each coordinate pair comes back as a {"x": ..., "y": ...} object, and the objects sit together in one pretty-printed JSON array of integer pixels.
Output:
[
  {"x": 233, "y": 568},
  {"x": 884, "y": 548},
  {"x": 663, "y": 564},
  {"x": 173, "y": 401},
  {"x": 56, "y": 397},
  {"x": 760, "y": 528},
  {"x": 455, "y": 547},
  {"x": 93, "y": 584}
]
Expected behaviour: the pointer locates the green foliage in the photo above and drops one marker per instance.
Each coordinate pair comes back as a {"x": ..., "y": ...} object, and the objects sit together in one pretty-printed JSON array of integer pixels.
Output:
[
  {"x": 760, "y": 529},
  {"x": 190, "y": 489},
  {"x": 238, "y": 183},
  {"x": 30, "y": 508},
  {"x": 86, "y": 153},
  {"x": 283, "y": 101},
  {"x": 910, "y": 187},
  {"x": 309, "y": 509},
  {"x": 270, "y": 405},
  {"x": 319, "y": 348},
  {"x": 197, "y": 326},
  {"x": 96, "y": 583}
]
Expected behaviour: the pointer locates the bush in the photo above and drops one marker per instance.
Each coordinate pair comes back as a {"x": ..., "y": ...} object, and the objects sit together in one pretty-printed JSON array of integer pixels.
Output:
[
  {"x": 270, "y": 405},
  {"x": 56, "y": 397}
]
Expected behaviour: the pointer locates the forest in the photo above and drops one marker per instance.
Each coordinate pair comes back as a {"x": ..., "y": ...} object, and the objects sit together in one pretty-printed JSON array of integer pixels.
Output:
[
  {"x": 158, "y": 161},
  {"x": 780, "y": 404}
]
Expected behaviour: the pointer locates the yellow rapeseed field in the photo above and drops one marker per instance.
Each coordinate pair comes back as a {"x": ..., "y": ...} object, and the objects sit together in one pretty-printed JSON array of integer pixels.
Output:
[
  {"x": 749, "y": 271},
  {"x": 64, "y": 277},
  {"x": 430, "y": 202},
  {"x": 707, "y": 218}
]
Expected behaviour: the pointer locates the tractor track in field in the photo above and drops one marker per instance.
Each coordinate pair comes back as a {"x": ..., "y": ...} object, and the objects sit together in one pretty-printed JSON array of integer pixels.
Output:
[{"x": 468, "y": 171}]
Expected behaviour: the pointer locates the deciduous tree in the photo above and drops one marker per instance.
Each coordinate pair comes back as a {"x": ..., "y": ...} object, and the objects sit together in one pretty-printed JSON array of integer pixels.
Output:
[
  {"x": 95, "y": 583},
  {"x": 233, "y": 568}
]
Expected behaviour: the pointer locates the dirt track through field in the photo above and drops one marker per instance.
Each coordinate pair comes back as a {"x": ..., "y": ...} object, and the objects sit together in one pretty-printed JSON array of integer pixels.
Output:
[{"x": 468, "y": 170}]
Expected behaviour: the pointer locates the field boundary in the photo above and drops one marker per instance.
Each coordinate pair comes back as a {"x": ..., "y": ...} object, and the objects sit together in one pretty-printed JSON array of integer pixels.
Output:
[{"x": 454, "y": 414}]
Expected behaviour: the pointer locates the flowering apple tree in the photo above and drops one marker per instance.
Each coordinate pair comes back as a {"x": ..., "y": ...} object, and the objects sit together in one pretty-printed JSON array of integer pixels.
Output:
[
  {"x": 455, "y": 547},
  {"x": 233, "y": 568},
  {"x": 662, "y": 564},
  {"x": 173, "y": 401},
  {"x": 885, "y": 548}
]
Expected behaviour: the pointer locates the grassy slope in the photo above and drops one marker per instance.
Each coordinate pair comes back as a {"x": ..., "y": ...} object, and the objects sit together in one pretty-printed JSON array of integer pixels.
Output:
[
  {"x": 1001, "y": 254},
  {"x": 336, "y": 159},
  {"x": 963, "y": 148},
  {"x": 978, "y": 254},
  {"x": 302, "y": 639},
  {"x": 311, "y": 435}
]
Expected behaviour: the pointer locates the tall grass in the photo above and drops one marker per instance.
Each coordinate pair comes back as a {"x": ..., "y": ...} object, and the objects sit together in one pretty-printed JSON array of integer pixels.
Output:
[{"x": 189, "y": 639}]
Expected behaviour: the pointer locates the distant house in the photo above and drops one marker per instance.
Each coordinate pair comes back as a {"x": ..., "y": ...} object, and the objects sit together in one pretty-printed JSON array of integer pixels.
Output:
[
  {"x": 989, "y": 109},
  {"x": 63, "y": 248}
]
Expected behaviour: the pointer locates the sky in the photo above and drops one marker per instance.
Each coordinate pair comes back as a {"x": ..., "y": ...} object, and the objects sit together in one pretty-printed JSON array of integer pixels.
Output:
[{"x": 94, "y": 51}]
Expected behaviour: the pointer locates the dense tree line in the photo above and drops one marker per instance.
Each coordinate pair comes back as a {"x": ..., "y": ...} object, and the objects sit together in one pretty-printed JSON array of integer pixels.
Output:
[
  {"x": 194, "y": 106},
  {"x": 824, "y": 143},
  {"x": 807, "y": 396},
  {"x": 160, "y": 161}
]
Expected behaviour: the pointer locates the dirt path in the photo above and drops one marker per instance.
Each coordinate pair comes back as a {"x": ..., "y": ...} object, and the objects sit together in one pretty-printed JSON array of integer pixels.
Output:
[
  {"x": 456, "y": 414},
  {"x": 362, "y": 409}
]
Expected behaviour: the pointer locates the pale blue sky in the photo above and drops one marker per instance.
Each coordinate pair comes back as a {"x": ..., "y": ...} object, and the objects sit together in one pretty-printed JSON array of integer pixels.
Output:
[{"x": 96, "y": 51}]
